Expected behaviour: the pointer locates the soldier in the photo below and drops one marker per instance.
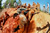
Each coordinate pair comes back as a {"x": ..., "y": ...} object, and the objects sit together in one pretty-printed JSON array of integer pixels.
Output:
[
  {"x": 38, "y": 6},
  {"x": 48, "y": 8},
  {"x": 0, "y": 29},
  {"x": 24, "y": 5},
  {"x": 29, "y": 6},
  {"x": 19, "y": 3},
  {"x": 34, "y": 5},
  {"x": 5, "y": 5},
  {"x": 44, "y": 8},
  {"x": 8, "y": 6},
  {"x": 30, "y": 13},
  {"x": 23, "y": 19},
  {"x": 15, "y": 4}
]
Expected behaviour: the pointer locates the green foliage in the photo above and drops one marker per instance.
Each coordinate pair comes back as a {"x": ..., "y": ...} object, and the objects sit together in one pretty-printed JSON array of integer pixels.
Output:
[
  {"x": 12, "y": 2},
  {"x": 3, "y": 7},
  {"x": 0, "y": 4},
  {"x": 19, "y": 1},
  {"x": 9, "y": 1}
]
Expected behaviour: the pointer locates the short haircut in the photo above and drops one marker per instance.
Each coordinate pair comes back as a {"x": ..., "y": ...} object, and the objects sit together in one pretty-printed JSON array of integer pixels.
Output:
[
  {"x": 20, "y": 12},
  {"x": 15, "y": 15}
]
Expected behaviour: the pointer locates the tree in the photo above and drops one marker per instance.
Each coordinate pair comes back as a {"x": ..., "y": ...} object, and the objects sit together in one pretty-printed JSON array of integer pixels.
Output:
[
  {"x": 0, "y": 3},
  {"x": 9, "y": 1},
  {"x": 12, "y": 2},
  {"x": 5, "y": 4},
  {"x": 19, "y": 1}
]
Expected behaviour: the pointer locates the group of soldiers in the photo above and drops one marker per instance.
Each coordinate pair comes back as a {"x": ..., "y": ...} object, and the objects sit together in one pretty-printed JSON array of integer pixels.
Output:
[
  {"x": 25, "y": 6},
  {"x": 18, "y": 16},
  {"x": 29, "y": 6},
  {"x": 44, "y": 9}
]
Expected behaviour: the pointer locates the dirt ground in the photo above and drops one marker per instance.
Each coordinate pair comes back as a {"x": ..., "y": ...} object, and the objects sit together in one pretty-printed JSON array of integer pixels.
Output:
[
  {"x": 41, "y": 20},
  {"x": 0, "y": 10}
]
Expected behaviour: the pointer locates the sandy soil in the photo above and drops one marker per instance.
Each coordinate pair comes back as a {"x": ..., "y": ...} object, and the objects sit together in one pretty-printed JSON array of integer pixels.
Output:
[{"x": 41, "y": 20}]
